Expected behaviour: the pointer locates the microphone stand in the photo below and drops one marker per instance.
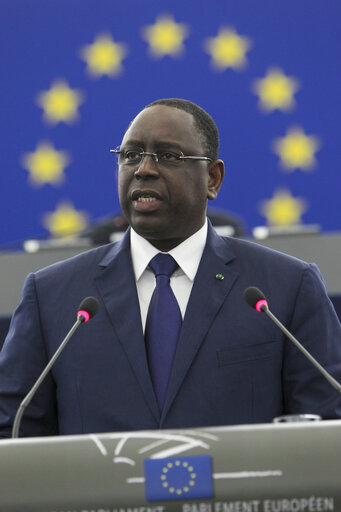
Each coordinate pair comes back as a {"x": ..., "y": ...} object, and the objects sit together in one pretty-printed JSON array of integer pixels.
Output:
[
  {"x": 317, "y": 365},
  {"x": 30, "y": 394}
]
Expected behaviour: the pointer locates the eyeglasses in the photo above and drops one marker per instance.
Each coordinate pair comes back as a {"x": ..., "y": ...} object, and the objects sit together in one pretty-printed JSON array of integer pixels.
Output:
[{"x": 164, "y": 158}]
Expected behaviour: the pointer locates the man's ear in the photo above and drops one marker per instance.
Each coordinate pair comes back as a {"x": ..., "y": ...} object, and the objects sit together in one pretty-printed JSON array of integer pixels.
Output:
[{"x": 216, "y": 172}]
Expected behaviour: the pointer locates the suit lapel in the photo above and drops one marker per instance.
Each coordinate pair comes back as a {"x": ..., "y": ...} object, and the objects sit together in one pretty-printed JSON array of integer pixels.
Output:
[
  {"x": 207, "y": 296},
  {"x": 116, "y": 285}
]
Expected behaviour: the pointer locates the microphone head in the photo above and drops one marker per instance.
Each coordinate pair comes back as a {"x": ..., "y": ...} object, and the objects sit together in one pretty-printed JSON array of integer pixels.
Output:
[
  {"x": 88, "y": 308},
  {"x": 255, "y": 298}
]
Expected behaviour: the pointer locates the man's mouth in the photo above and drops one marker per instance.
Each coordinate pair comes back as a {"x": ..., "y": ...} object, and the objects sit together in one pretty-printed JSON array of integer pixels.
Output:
[
  {"x": 141, "y": 194},
  {"x": 146, "y": 201}
]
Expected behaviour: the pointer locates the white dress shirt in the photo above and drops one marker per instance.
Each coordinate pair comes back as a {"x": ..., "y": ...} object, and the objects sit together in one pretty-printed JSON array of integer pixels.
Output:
[{"x": 187, "y": 255}]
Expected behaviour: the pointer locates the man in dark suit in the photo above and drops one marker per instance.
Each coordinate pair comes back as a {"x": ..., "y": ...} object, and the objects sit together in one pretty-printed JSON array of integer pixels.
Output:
[{"x": 230, "y": 364}]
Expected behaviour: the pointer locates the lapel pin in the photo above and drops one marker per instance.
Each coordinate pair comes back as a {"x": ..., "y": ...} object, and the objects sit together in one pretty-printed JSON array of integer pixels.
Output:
[{"x": 220, "y": 277}]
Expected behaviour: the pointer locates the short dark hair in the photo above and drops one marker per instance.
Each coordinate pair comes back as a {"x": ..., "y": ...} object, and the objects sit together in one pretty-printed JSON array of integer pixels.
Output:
[{"x": 203, "y": 121}]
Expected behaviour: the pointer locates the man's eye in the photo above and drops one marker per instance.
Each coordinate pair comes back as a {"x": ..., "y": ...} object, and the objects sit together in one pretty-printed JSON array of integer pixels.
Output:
[
  {"x": 168, "y": 156},
  {"x": 132, "y": 155}
]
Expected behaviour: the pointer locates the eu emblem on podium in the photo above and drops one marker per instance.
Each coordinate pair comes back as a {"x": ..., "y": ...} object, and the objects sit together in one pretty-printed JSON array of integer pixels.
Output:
[{"x": 179, "y": 478}]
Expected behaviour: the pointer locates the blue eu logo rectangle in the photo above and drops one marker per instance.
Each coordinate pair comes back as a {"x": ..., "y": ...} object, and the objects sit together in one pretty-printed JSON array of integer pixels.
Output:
[{"x": 178, "y": 478}]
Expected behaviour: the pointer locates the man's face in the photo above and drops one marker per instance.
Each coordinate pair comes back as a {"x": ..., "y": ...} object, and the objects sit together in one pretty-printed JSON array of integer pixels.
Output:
[{"x": 164, "y": 205}]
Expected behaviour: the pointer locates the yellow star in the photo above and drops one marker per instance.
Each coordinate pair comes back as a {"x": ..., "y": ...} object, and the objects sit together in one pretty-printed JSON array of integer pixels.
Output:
[
  {"x": 297, "y": 150},
  {"x": 65, "y": 221},
  {"x": 283, "y": 209},
  {"x": 228, "y": 49},
  {"x": 276, "y": 90},
  {"x": 60, "y": 103},
  {"x": 45, "y": 164},
  {"x": 166, "y": 37},
  {"x": 104, "y": 56}
]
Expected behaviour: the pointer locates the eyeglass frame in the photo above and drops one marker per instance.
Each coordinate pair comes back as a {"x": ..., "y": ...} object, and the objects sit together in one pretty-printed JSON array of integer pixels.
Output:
[{"x": 155, "y": 157}]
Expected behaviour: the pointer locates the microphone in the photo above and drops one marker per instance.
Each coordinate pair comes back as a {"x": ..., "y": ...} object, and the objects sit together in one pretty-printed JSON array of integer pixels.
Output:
[
  {"x": 86, "y": 310},
  {"x": 256, "y": 299}
]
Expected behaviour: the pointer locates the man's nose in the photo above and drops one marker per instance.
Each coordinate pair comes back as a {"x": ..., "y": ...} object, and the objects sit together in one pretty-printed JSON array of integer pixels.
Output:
[{"x": 147, "y": 167}]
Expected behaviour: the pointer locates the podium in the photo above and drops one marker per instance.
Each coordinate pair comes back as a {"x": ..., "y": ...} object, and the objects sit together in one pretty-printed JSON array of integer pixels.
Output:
[{"x": 255, "y": 468}]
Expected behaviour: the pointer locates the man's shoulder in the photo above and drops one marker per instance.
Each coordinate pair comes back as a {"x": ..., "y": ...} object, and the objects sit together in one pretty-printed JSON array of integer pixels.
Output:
[
  {"x": 256, "y": 253},
  {"x": 83, "y": 261}
]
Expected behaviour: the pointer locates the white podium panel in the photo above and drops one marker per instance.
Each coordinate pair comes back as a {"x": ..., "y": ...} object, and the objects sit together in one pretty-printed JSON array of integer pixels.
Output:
[{"x": 259, "y": 468}]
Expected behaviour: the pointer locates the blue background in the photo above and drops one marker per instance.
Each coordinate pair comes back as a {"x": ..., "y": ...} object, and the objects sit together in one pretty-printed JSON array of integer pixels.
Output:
[{"x": 41, "y": 42}]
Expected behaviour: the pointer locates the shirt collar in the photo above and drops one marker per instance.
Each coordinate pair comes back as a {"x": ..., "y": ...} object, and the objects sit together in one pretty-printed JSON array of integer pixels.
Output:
[{"x": 187, "y": 254}]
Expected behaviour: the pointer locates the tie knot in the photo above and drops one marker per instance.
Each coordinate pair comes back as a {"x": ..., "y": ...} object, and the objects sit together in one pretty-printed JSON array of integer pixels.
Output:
[{"x": 163, "y": 264}]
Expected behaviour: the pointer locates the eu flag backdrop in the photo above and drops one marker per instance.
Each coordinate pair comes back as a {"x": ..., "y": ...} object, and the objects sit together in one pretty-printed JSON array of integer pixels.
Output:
[{"x": 74, "y": 73}]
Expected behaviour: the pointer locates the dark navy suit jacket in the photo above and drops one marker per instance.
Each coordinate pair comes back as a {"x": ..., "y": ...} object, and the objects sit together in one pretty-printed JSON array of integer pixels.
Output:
[{"x": 232, "y": 365}]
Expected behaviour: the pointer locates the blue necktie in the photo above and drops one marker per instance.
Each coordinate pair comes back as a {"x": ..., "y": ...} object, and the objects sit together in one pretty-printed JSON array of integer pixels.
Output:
[{"x": 163, "y": 325}]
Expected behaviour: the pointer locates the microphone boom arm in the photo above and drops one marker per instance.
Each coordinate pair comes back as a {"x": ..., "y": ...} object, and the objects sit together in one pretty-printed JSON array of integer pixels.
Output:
[
  {"x": 292, "y": 338},
  {"x": 30, "y": 394}
]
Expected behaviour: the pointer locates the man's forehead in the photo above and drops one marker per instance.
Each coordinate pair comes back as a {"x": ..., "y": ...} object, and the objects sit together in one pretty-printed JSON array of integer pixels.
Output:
[
  {"x": 163, "y": 112},
  {"x": 162, "y": 122}
]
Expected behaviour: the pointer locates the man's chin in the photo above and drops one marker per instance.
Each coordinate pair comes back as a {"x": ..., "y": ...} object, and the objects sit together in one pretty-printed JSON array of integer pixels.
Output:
[
  {"x": 158, "y": 234},
  {"x": 150, "y": 230}
]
